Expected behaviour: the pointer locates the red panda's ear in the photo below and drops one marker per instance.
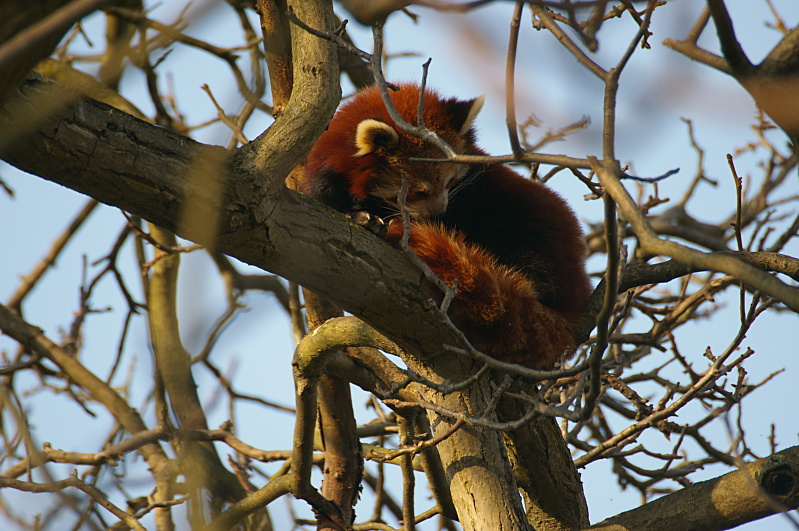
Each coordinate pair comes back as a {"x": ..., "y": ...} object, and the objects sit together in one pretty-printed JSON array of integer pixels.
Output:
[
  {"x": 465, "y": 112},
  {"x": 372, "y": 135}
]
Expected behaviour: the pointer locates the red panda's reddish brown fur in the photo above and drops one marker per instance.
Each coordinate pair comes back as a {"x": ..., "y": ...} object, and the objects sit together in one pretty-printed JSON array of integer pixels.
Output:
[{"x": 514, "y": 246}]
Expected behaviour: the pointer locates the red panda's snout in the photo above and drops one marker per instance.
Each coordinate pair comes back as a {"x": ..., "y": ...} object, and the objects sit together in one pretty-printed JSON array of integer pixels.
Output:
[{"x": 428, "y": 206}]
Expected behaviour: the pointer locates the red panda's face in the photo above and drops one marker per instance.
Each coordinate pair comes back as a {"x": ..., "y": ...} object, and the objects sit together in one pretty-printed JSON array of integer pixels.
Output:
[
  {"x": 387, "y": 155},
  {"x": 392, "y": 157},
  {"x": 427, "y": 197},
  {"x": 363, "y": 145}
]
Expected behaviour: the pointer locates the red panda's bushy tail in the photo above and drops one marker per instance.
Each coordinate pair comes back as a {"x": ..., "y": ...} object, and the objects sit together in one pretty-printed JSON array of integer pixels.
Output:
[{"x": 496, "y": 307}]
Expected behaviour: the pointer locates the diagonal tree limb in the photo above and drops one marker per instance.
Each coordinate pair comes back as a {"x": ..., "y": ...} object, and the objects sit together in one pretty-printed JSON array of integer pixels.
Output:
[
  {"x": 730, "y": 47},
  {"x": 758, "y": 489}
]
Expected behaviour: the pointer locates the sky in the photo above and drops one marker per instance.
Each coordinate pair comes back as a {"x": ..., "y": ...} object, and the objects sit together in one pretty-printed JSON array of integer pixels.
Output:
[{"x": 658, "y": 89}]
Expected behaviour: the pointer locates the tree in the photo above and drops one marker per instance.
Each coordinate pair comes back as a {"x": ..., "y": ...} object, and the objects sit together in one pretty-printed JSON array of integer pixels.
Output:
[{"x": 484, "y": 433}]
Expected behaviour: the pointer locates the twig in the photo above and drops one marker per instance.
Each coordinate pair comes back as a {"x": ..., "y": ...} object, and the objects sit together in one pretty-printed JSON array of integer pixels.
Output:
[
  {"x": 73, "y": 481},
  {"x": 232, "y": 124},
  {"x": 334, "y": 37},
  {"x": 510, "y": 84},
  {"x": 29, "y": 281},
  {"x": 418, "y": 131}
]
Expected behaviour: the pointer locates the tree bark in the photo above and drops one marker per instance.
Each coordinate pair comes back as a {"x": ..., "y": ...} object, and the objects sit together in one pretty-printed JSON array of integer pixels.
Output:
[
  {"x": 544, "y": 471},
  {"x": 474, "y": 458},
  {"x": 343, "y": 468}
]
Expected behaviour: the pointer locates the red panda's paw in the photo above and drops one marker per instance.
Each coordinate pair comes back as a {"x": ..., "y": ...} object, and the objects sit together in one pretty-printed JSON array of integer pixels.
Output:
[
  {"x": 370, "y": 222},
  {"x": 394, "y": 231}
]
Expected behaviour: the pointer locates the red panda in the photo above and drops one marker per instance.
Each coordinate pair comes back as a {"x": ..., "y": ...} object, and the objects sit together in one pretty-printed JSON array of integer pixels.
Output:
[{"x": 513, "y": 245}]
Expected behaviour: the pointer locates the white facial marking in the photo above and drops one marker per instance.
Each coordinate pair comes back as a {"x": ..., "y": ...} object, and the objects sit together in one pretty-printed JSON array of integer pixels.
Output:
[
  {"x": 477, "y": 104},
  {"x": 371, "y": 135}
]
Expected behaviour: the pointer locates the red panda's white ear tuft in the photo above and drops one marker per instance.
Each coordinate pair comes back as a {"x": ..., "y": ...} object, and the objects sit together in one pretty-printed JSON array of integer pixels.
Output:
[
  {"x": 372, "y": 135},
  {"x": 474, "y": 110}
]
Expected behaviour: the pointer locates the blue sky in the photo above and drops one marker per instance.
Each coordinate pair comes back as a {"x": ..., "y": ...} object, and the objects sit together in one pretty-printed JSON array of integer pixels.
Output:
[{"x": 658, "y": 88}]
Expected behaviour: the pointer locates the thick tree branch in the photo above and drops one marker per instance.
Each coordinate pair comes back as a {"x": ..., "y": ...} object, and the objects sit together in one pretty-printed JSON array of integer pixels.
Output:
[
  {"x": 148, "y": 173},
  {"x": 73, "y": 481},
  {"x": 314, "y": 97},
  {"x": 758, "y": 489},
  {"x": 277, "y": 50}
]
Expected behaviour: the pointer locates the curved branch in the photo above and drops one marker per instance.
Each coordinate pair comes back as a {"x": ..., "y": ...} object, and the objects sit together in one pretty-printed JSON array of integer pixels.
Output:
[
  {"x": 650, "y": 242},
  {"x": 73, "y": 481},
  {"x": 260, "y": 498},
  {"x": 314, "y": 97},
  {"x": 337, "y": 426},
  {"x": 310, "y": 360}
]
